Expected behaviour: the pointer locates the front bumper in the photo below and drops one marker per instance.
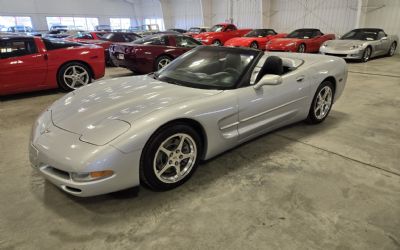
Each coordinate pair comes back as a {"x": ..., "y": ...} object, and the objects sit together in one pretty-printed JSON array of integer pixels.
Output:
[
  {"x": 57, "y": 153},
  {"x": 279, "y": 48},
  {"x": 345, "y": 54}
]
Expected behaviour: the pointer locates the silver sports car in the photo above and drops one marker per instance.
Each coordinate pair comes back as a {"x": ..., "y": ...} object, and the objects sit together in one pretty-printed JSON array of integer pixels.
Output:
[
  {"x": 154, "y": 129},
  {"x": 361, "y": 44}
]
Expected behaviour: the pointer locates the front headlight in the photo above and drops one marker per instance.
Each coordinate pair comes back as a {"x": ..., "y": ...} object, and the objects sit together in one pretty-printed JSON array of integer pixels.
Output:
[
  {"x": 324, "y": 45},
  {"x": 105, "y": 131},
  {"x": 356, "y": 46}
]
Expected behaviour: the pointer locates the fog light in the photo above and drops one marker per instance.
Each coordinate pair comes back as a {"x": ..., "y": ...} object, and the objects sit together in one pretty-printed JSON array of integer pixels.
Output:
[{"x": 91, "y": 176}]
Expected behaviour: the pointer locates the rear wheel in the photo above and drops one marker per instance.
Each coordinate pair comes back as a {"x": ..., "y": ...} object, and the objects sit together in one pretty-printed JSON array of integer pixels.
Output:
[
  {"x": 162, "y": 61},
  {"x": 366, "y": 55},
  {"x": 73, "y": 75},
  {"x": 302, "y": 48},
  {"x": 254, "y": 45},
  {"x": 392, "y": 49},
  {"x": 170, "y": 157},
  {"x": 322, "y": 103}
]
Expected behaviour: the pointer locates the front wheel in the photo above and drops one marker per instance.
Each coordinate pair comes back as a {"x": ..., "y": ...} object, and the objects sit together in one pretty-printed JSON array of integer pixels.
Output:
[
  {"x": 73, "y": 75},
  {"x": 302, "y": 48},
  {"x": 254, "y": 45},
  {"x": 366, "y": 55},
  {"x": 392, "y": 49},
  {"x": 217, "y": 43},
  {"x": 170, "y": 157},
  {"x": 322, "y": 103}
]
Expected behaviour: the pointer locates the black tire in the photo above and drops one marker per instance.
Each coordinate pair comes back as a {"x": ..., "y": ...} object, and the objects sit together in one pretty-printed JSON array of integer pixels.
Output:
[
  {"x": 159, "y": 60},
  {"x": 366, "y": 55},
  {"x": 301, "y": 48},
  {"x": 63, "y": 83},
  {"x": 392, "y": 49},
  {"x": 217, "y": 43},
  {"x": 254, "y": 45},
  {"x": 312, "y": 117},
  {"x": 147, "y": 170}
]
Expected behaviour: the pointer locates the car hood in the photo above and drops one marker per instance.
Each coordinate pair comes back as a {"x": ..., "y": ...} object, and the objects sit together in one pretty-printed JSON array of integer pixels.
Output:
[
  {"x": 126, "y": 99},
  {"x": 284, "y": 41},
  {"x": 343, "y": 44}
]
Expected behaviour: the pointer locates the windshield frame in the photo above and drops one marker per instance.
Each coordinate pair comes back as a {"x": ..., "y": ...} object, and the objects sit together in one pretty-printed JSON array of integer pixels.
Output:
[{"x": 242, "y": 81}]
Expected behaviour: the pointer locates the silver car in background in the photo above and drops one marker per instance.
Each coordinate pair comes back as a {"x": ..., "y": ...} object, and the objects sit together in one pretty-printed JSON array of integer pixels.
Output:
[
  {"x": 154, "y": 129},
  {"x": 361, "y": 44}
]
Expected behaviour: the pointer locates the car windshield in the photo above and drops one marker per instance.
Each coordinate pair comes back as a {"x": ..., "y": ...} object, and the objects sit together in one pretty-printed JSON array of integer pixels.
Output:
[
  {"x": 260, "y": 33},
  {"x": 302, "y": 34},
  {"x": 152, "y": 40},
  {"x": 209, "y": 67},
  {"x": 365, "y": 35},
  {"x": 194, "y": 30},
  {"x": 217, "y": 28}
]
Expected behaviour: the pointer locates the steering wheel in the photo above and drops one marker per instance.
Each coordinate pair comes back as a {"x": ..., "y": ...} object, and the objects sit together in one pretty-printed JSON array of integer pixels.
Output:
[{"x": 232, "y": 71}]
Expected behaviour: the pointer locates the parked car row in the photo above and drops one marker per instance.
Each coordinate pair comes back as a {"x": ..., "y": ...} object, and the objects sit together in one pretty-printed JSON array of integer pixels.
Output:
[{"x": 149, "y": 53}]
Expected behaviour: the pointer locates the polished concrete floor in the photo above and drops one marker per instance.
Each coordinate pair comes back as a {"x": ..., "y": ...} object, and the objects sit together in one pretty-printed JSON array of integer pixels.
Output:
[{"x": 331, "y": 186}]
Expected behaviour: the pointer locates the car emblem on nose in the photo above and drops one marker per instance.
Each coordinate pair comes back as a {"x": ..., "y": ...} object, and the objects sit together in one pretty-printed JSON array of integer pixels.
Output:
[{"x": 47, "y": 130}]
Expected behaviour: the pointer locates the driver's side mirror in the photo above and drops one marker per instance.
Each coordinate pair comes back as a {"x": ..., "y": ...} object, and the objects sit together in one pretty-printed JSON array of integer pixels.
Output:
[
  {"x": 384, "y": 38},
  {"x": 268, "y": 80}
]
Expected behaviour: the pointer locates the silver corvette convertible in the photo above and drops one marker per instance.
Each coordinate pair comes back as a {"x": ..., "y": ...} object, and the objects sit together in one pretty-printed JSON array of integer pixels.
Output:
[
  {"x": 154, "y": 129},
  {"x": 361, "y": 44}
]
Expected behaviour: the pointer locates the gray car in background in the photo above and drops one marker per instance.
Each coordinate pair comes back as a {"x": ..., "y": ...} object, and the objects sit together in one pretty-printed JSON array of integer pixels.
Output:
[{"x": 361, "y": 44}]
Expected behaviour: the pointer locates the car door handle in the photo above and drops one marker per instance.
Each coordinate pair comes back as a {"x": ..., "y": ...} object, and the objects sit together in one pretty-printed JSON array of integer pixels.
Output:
[{"x": 300, "y": 78}]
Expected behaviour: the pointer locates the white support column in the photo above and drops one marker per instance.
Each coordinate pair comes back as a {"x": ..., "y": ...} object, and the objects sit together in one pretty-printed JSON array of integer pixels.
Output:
[
  {"x": 266, "y": 13},
  {"x": 361, "y": 13},
  {"x": 206, "y": 12}
]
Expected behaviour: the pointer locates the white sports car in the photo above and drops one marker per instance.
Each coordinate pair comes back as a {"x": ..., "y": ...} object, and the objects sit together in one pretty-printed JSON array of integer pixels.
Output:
[{"x": 154, "y": 129}]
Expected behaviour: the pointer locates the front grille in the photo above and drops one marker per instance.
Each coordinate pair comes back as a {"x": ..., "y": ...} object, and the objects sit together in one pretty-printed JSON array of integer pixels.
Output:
[{"x": 57, "y": 172}]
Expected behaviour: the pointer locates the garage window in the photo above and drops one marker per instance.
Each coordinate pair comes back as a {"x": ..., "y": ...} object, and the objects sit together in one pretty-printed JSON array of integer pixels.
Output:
[
  {"x": 120, "y": 23},
  {"x": 15, "y": 48},
  {"x": 15, "y": 23},
  {"x": 81, "y": 23}
]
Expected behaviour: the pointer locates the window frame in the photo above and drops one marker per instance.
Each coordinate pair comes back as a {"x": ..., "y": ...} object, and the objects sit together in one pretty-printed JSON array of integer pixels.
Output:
[{"x": 34, "y": 51}]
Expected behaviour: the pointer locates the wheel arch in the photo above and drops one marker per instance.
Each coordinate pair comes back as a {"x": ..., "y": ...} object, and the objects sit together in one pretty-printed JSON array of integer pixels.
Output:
[{"x": 333, "y": 81}]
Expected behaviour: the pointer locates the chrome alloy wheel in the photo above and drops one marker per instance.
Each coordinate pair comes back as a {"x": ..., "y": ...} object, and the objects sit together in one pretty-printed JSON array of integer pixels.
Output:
[
  {"x": 254, "y": 45},
  {"x": 163, "y": 62},
  {"x": 175, "y": 158},
  {"x": 367, "y": 54},
  {"x": 392, "y": 49},
  {"x": 76, "y": 76},
  {"x": 302, "y": 48},
  {"x": 323, "y": 103}
]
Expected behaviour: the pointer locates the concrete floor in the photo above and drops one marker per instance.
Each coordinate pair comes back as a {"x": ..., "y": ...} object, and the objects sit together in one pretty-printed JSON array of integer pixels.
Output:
[{"x": 331, "y": 186}]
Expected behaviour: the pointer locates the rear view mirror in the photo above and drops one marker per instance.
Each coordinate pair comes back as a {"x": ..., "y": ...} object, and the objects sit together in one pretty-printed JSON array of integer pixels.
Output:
[{"x": 268, "y": 80}]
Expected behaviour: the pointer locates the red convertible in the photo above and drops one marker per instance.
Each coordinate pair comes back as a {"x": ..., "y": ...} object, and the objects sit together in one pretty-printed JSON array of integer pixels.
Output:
[
  {"x": 31, "y": 63},
  {"x": 301, "y": 40},
  {"x": 105, "y": 39},
  {"x": 220, "y": 33},
  {"x": 151, "y": 53},
  {"x": 256, "y": 39}
]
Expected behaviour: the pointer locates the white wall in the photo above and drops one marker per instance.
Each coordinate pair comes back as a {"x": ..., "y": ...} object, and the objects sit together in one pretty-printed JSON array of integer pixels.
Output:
[
  {"x": 182, "y": 13},
  {"x": 383, "y": 14},
  {"x": 39, "y": 9},
  {"x": 330, "y": 16}
]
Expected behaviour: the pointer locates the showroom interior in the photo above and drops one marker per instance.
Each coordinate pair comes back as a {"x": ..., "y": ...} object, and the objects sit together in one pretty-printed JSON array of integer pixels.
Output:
[{"x": 245, "y": 157}]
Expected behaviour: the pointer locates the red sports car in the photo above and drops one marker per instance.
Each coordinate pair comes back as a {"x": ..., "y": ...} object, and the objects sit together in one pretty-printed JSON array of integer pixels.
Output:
[
  {"x": 151, "y": 53},
  {"x": 31, "y": 63},
  {"x": 220, "y": 33},
  {"x": 256, "y": 39},
  {"x": 105, "y": 39},
  {"x": 301, "y": 40}
]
